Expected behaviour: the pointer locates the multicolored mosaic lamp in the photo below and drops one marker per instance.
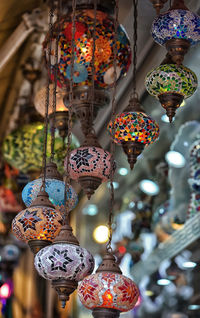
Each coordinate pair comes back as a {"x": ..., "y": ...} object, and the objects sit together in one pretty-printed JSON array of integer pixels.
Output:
[
  {"x": 54, "y": 186},
  {"x": 171, "y": 84},
  {"x": 177, "y": 29},
  {"x": 133, "y": 129},
  {"x": 23, "y": 148},
  {"x": 108, "y": 292},
  {"x": 39, "y": 224},
  {"x": 61, "y": 114},
  {"x": 89, "y": 165},
  {"x": 83, "y": 70},
  {"x": 65, "y": 263}
]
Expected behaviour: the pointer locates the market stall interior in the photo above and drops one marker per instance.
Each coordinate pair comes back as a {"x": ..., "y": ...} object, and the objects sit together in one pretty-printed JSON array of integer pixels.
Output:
[{"x": 99, "y": 166}]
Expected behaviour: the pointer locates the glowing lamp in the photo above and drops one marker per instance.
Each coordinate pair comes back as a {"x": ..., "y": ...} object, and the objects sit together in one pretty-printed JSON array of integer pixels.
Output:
[
  {"x": 171, "y": 84},
  {"x": 61, "y": 113},
  {"x": 108, "y": 292},
  {"x": 39, "y": 224},
  {"x": 177, "y": 29},
  {"x": 5, "y": 291},
  {"x": 133, "y": 129}
]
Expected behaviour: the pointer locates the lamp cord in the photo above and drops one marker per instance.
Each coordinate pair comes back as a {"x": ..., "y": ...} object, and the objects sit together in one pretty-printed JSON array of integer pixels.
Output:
[
  {"x": 53, "y": 128},
  {"x": 112, "y": 144},
  {"x": 135, "y": 37},
  {"x": 71, "y": 98},
  {"x": 93, "y": 66},
  {"x": 51, "y": 15}
]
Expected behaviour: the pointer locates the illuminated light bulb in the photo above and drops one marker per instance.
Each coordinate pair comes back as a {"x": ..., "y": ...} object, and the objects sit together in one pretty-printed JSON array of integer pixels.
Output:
[
  {"x": 5, "y": 291},
  {"x": 175, "y": 159},
  {"x": 101, "y": 234},
  {"x": 149, "y": 187}
]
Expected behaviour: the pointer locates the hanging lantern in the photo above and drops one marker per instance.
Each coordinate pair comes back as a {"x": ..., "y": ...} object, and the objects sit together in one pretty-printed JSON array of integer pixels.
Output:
[
  {"x": 54, "y": 186},
  {"x": 171, "y": 84},
  {"x": 61, "y": 114},
  {"x": 65, "y": 263},
  {"x": 8, "y": 202},
  {"x": 39, "y": 224},
  {"x": 108, "y": 292},
  {"x": 177, "y": 29},
  {"x": 23, "y": 148},
  {"x": 83, "y": 63},
  {"x": 89, "y": 165},
  {"x": 133, "y": 129}
]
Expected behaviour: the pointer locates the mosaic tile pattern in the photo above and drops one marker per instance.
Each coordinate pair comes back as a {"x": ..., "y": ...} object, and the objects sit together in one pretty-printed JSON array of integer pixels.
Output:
[
  {"x": 176, "y": 24},
  {"x": 23, "y": 148},
  {"x": 89, "y": 161},
  {"x": 104, "y": 53},
  {"x": 171, "y": 78},
  {"x": 108, "y": 290},
  {"x": 37, "y": 223},
  {"x": 64, "y": 261},
  {"x": 134, "y": 126},
  {"x": 194, "y": 180},
  {"x": 56, "y": 191},
  {"x": 8, "y": 202}
]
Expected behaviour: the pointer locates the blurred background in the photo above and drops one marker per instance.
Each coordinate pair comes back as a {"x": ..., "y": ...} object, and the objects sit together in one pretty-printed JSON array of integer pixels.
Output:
[{"x": 156, "y": 224}]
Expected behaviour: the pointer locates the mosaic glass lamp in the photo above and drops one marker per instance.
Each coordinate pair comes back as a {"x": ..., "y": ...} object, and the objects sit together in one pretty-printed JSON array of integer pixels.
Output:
[
  {"x": 108, "y": 292},
  {"x": 83, "y": 65},
  {"x": 104, "y": 53},
  {"x": 89, "y": 165},
  {"x": 171, "y": 84},
  {"x": 54, "y": 186},
  {"x": 133, "y": 129},
  {"x": 65, "y": 263},
  {"x": 39, "y": 224},
  {"x": 61, "y": 114},
  {"x": 23, "y": 148},
  {"x": 177, "y": 29}
]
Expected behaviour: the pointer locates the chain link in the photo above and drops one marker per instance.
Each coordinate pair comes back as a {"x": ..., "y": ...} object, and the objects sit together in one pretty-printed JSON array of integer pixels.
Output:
[
  {"x": 70, "y": 108},
  {"x": 51, "y": 15},
  {"x": 112, "y": 144}
]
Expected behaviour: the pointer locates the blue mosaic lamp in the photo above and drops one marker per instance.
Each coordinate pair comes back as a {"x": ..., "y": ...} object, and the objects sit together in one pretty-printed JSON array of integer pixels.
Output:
[
  {"x": 177, "y": 29},
  {"x": 55, "y": 187}
]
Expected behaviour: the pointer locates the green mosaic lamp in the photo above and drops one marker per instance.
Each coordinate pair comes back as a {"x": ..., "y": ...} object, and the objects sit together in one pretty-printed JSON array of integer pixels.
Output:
[
  {"x": 171, "y": 84},
  {"x": 23, "y": 148}
]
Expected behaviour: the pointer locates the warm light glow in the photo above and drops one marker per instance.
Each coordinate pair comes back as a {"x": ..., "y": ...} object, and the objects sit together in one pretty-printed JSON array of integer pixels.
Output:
[
  {"x": 101, "y": 234},
  {"x": 5, "y": 291},
  {"x": 149, "y": 187},
  {"x": 149, "y": 293},
  {"x": 175, "y": 159}
]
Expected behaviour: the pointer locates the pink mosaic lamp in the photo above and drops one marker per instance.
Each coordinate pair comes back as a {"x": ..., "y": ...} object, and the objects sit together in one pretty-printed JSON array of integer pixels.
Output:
[{"x": 89, "y": 165}]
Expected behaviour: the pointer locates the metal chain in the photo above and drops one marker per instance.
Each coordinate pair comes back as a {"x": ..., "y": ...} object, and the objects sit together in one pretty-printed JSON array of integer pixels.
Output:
[
  {"x": 71, "y": 98},
  {"x": 51, "y": 15},
  {"x": 135, "y": 26},
  {"x": 93, "y": 66},
  {"x": 53, "y": 128},
  {"x": 112, "y": 144}
]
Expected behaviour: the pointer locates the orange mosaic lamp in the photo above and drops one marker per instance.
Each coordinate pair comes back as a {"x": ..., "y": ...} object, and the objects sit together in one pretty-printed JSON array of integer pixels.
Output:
[
  {"x": 38, "y": 224},
  {"x": 134, "y": 130},
  {"x": 108, "y": 292}
]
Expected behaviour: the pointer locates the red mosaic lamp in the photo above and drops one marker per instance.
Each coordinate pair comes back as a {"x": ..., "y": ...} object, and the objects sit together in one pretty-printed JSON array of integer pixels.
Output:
[
  {"x": 38, "y": 224},
  {"x": 89, "y": 164},
  {"x": 133, "y": 129},
  {"x": 108, "y": 292}
]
